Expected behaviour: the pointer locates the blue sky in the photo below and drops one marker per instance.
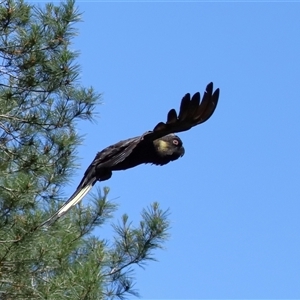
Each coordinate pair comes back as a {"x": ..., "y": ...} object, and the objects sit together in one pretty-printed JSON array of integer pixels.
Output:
[{"x": 234, "y": 196}]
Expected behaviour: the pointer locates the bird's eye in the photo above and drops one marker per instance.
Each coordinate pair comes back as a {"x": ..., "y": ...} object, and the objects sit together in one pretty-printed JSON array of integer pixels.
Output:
[{"x": 175, "y": 142}]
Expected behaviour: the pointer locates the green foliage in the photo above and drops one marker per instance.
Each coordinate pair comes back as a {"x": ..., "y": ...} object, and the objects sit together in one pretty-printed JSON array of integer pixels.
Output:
[{"x": 41, "y": 101}]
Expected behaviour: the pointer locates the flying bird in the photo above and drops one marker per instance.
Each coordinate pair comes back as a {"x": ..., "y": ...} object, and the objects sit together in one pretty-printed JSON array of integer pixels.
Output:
[{"x": 158, "y": 147}]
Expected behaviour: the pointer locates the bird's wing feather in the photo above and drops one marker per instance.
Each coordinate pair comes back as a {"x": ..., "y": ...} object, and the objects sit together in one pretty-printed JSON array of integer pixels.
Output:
[
  {"x": 192, "y": 112},
  {"x": 108, "y": 158}
]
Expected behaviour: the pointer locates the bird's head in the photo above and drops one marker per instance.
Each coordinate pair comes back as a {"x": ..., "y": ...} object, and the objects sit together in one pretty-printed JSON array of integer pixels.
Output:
[{"x": 168, "y": 148}]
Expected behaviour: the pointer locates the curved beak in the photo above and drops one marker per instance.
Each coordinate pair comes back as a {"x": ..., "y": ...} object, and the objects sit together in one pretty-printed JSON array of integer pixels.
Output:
[{"x": 182, "y": 151}]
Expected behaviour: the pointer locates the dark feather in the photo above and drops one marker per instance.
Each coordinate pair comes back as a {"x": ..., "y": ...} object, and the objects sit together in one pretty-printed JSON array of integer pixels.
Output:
[
  {"x": 172, "y": 116},
  {"x": 192, "y": 112},
  {"x": 184, "y": 107}
]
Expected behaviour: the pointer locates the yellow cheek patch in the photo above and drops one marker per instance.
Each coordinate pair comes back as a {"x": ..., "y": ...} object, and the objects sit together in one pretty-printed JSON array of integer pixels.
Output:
[{"x": 163, "y": 145}]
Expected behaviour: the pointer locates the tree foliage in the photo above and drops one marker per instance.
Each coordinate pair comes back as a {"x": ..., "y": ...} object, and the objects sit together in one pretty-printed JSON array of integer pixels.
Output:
[{"x": 41, "y": 102}]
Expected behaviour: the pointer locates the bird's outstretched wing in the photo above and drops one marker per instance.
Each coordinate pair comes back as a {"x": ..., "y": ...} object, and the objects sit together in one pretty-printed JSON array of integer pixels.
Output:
[{"x": 192, "y": 112}]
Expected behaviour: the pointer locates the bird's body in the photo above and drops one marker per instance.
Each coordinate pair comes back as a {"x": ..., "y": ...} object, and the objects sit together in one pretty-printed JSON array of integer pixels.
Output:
[{"x": 159, "y": 146}]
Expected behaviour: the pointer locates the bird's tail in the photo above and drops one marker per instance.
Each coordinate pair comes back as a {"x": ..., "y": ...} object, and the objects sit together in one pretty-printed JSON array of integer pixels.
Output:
[{"x": 72, "y": 201}]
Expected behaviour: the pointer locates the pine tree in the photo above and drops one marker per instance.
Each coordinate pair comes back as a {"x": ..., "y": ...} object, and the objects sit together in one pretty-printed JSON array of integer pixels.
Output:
[{"x": 41, "y": 103}]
